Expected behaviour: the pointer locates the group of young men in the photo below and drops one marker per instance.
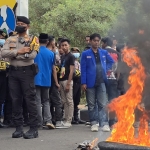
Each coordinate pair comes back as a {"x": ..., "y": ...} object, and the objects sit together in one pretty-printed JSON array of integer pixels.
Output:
[{"x": 45, "y": 80}]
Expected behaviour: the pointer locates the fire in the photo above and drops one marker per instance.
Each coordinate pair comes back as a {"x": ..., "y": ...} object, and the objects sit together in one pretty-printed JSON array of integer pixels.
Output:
[{"x": 124, "y": 106}]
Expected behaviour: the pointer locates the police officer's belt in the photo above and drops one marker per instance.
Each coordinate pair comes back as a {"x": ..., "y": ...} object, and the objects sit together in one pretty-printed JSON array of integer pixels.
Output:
[{"x": 21, "y": 68}]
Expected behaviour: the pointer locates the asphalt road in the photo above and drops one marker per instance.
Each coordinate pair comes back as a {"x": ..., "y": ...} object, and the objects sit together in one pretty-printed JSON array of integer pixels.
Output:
[{"x": 58, "y": 139}]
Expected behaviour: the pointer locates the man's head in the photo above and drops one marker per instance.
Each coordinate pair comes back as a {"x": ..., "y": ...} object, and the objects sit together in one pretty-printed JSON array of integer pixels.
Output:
[
  {"x": 3, "y": 36},
  {"x": 65, "y": 45},
  {"x": 95, "y": 40},
  {"x": 75, "y": 51},
  {"x": 43, "y": 39},
  {"x": 51, "y": 41},
  {"x": 106, "y": 42},
  {"x": 87, "y": 40},
  {"x": 22, "y": 24}
]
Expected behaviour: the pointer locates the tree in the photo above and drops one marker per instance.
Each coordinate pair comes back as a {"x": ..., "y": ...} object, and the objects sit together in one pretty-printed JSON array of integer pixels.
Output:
[{"x": 73, "y": 19}]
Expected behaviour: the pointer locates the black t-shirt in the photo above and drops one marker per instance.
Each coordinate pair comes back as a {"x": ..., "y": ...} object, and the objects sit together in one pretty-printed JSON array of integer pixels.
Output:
[
  {"x": 99, "y": 76},
  {"x": 66, "y": 61}
]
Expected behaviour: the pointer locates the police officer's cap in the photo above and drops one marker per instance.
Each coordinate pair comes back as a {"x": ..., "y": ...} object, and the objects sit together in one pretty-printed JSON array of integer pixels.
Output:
[
  {"x": 23, "y": 19},
  {"x": 3, "y": 33},
  {"x": 43, "y": 36}
]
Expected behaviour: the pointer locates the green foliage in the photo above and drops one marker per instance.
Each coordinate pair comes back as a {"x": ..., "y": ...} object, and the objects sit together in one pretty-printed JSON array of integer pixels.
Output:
[{"x": 73, "y": 18}]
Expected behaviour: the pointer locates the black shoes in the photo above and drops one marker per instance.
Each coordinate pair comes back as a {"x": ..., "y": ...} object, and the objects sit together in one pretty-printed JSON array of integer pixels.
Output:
[
  {"x": 18, "y": 133},
  {"x": 2, "y": 125},
  {"x": 82, "y": 121},
  {"x": 78, "y": 121},
  {"x": 32, "y": 133}
]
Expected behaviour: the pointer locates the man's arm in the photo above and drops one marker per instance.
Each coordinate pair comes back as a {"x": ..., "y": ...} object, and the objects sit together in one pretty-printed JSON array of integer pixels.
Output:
[
  {"x": 55, "y": 76},
  {"x": 109, "y": 61},
  {"x": 6, "y": 52},
  {"x": 83, "y": 68},
  {"x": 31, "y": 56},
  {"x": 70, "y": 74}
]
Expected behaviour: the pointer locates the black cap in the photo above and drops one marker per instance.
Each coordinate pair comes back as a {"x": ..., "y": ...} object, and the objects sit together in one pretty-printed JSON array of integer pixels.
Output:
[
  {"x": 3, "y": 33},
  {"x": 43, "y": 36},
  {"x": 23, "y": 19}
]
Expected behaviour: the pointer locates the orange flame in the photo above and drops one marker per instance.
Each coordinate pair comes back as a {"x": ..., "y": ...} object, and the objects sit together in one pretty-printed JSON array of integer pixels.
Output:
[{"x": 125, "y": 105}]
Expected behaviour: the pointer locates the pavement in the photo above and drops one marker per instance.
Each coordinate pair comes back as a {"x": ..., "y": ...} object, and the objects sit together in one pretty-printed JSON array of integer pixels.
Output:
[{"x": 57, "y": 139}]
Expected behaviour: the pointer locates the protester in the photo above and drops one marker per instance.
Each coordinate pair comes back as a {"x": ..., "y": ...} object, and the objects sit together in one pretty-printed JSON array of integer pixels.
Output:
[
  {"x": 87, "y": 42},
  {"x": 55, "y": 98},
  {"x": 76, "y": 86},
  {"x": 95, "y": 63},
  {"x": 21, "y": 78},
  {"x": 45, "y": 62},
  {"x": 66, "y": 81},
  {"x": 113, "y": 76},
  {"x": 114, "y": 42}
]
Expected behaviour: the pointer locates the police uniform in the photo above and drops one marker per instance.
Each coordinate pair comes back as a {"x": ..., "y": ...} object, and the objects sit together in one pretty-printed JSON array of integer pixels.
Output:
[
  {"x": 3, "y": 67},
  {"x": 21, "y": 82}
]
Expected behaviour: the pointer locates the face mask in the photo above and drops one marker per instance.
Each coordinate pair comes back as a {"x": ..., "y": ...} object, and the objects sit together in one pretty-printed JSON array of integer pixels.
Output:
[
  {"x": 2, "y": 42},
  {"x": 56, "y": 52},
  {"x": 76, "y": 55},
  {"x": 20, "y": 29}
]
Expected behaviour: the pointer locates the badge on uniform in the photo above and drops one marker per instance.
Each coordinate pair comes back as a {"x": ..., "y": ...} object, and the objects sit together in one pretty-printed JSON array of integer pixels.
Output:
[
  {"x": 88, "y": 57},
  {"x": 12, "y": 45},
  {"x": 2, "y": 65}
]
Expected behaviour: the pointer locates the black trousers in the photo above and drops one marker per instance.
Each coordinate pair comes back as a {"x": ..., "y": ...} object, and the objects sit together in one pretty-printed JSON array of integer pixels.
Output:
[
  {"x": 55, "y": 102},
  {"x": 76, "y": 96},
  {"x": 3, "y": 82},
  {"x": 7, "y": 105},
  {"x": 21, "y": 84}
]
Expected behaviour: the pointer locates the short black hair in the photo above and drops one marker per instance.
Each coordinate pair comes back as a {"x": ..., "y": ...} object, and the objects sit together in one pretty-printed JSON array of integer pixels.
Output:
[
  {"x": 43, "y": 41},
  {"x": 51, "y": 38},
  {"x": 93, "y": 36},
  {"x": 120, "y": 47},
  {"x": 59, "y": 39},
  {"x": 87, "y": 36},
  {"x": 64, "y": 40},
  {"x": 107, "y": 41}
]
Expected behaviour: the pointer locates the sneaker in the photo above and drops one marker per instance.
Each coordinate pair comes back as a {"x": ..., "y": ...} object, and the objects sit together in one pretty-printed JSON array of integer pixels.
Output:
[
  {"x": 50, "y": 125},
  {"x": 87, "y": 123},
  {"x": 106, "y": 128},
  {"x": 94, "y": 128},
  {"x": 60, "y": 125},
  {"x": 67, "y": 124},
  {"x": 97, "y": 124}
]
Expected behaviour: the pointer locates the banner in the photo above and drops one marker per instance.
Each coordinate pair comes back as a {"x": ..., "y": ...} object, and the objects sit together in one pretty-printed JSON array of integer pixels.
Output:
[{"x": 7, "y": 15}]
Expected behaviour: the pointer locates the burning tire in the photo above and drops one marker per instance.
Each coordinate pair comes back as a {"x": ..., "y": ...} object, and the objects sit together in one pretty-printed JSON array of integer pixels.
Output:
[{"x": 119, "y": 146}]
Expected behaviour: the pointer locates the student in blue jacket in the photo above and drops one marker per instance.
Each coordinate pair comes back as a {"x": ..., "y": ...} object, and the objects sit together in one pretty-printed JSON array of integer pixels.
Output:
[{"x": 95, "y": 64}]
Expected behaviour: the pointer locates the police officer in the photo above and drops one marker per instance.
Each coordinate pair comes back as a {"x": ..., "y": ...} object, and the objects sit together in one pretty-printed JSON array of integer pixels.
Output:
[
  {"x": 21, "y": 78},
  {"x": 3, "y": 36}
]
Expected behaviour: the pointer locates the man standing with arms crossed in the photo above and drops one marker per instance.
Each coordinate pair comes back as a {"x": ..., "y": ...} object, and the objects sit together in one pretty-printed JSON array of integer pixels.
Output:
[{"x": 21, "y": 77}]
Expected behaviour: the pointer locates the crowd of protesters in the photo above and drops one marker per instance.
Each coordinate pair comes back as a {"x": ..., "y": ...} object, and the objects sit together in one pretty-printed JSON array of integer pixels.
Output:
[{"x": 41, "y": 88}]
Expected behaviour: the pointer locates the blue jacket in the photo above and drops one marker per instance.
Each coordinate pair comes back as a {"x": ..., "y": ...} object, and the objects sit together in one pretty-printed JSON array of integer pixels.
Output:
[
  {"x": 45, "y": 62},
  {"x": 88, "y": 66}
]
